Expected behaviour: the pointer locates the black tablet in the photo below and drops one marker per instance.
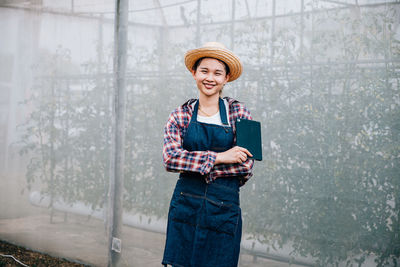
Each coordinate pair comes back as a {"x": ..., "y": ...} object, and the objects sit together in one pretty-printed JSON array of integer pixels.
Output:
[{"x": 248, "y": 135}]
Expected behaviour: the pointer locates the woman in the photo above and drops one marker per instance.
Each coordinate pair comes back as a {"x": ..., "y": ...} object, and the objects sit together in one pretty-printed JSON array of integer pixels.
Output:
[{"x": 204, "y": 219}]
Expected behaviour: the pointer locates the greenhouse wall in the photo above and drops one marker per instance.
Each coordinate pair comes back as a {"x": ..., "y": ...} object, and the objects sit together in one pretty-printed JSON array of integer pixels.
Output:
[{"x": 322, "y": 77}]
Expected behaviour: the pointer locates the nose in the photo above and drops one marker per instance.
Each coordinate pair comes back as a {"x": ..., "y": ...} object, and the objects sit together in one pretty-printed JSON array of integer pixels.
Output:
[{"x": 209, "y": 77}]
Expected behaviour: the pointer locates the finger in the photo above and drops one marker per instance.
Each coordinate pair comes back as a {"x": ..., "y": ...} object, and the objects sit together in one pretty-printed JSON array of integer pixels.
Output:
[
  {"x": 246, "y": 151},
  {"x": 243, "y": 157}
]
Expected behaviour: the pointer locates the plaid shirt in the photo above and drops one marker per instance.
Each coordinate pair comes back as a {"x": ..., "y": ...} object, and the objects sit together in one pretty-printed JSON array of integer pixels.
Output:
[{"x": 176, "y": 159}]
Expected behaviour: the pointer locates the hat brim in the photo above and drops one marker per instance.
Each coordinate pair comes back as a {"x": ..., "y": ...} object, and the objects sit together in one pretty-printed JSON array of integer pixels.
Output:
[{"x": 233, "y": 62}]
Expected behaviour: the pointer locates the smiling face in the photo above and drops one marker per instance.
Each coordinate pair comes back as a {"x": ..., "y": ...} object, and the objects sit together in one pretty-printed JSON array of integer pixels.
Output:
[{"x": 210, "y": 76}]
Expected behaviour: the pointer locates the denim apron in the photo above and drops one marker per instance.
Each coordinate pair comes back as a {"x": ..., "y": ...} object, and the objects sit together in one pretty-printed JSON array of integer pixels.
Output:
[{"x": 204, "y": 220}]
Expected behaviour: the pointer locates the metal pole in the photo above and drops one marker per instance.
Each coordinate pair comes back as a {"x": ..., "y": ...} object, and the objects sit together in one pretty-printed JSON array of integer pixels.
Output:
[
  {"x": 53, "y": 108},
  {"x": 118, "y": 134}
]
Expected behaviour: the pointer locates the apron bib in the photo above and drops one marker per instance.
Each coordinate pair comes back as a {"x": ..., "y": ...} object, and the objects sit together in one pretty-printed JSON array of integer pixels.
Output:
[{"x": 204, "y": 220}]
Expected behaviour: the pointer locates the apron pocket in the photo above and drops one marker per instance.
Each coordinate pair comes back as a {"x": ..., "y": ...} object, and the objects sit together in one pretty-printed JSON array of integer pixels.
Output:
[
  {"x": 185, "y": 208},
  {"x": 222, "y": 217}
]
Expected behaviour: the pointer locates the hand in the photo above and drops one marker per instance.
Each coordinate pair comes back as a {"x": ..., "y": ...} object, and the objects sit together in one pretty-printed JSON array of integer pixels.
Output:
[{"x": 236, "y": 154}]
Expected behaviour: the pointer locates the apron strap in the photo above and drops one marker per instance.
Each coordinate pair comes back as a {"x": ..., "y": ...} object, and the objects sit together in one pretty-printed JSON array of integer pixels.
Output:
[
  {"x": 222, "y": 112},
  {"x": 194, "y": 115}
]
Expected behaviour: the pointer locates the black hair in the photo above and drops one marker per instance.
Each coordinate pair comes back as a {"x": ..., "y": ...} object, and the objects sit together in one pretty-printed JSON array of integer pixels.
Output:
[{"x": 197, "y": 63}]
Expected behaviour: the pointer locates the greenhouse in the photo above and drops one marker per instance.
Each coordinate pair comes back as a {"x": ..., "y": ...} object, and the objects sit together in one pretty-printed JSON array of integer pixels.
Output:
[{"x": 86, "y": 89}]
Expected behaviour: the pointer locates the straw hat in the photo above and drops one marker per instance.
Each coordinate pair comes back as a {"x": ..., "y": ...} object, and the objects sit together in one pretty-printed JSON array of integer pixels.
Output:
[{"x": 218, "y": 51}]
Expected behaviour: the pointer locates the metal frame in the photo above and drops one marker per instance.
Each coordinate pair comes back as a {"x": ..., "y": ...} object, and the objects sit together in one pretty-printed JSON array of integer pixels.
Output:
[{"x": 116, "y": 180}]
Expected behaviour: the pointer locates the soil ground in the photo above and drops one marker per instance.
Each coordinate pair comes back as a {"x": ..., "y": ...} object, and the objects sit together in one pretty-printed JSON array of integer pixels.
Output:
[{"x": 12, "y": 255}]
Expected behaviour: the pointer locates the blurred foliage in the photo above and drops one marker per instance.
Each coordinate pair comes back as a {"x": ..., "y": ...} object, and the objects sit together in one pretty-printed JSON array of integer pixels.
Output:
[
  {"x": 329, "y": 184},
  {"x": 326, "y": 89},
  {"x": 68, "y": 132}
]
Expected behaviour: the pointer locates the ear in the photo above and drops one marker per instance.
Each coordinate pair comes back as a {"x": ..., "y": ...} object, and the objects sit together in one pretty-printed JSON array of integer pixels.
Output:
[
  {"x": 227, "y": 78},
  {"x": 193, "y": 73}
]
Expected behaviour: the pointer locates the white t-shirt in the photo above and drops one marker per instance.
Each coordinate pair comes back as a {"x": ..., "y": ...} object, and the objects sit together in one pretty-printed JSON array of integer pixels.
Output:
[{"x": 216, "y": 118}]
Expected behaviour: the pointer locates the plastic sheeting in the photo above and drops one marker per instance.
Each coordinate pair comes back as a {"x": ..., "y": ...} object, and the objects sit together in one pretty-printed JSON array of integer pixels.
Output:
[{"x": 323, "y": 79}]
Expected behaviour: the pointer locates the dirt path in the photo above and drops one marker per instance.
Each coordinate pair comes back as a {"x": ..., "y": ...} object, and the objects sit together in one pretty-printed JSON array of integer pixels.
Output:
[{"x": 83, "y": 239}]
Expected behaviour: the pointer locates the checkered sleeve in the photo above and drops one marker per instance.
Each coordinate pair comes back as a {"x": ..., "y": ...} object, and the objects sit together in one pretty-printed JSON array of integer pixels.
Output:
[
  {"x": 177, "y": 159},
  {"x": 243, "y": 170}
]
